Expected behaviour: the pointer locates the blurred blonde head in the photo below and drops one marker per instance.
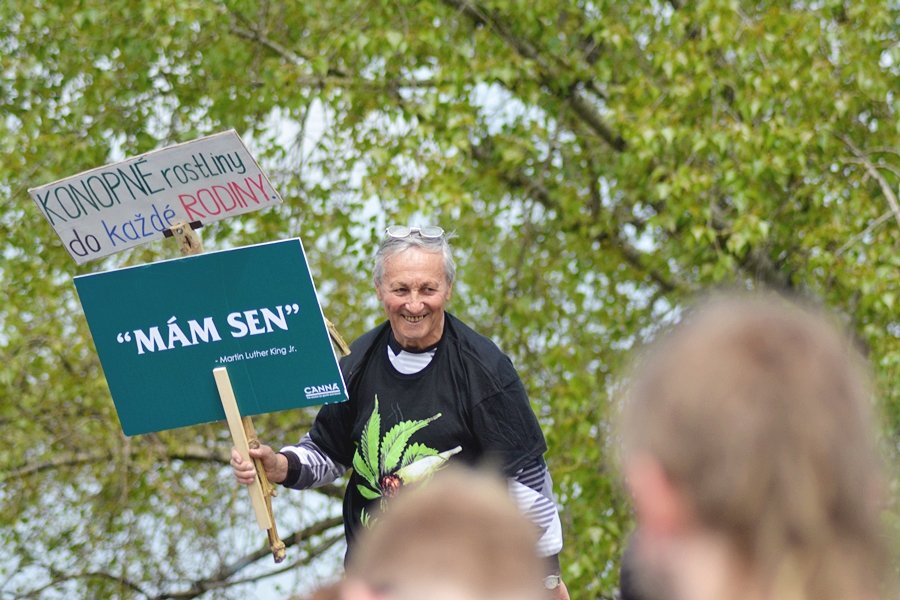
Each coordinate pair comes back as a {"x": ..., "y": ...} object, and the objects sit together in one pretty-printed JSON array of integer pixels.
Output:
[
  {"x": 756, "y": 415},
  {"x": 458, "y": 537}
]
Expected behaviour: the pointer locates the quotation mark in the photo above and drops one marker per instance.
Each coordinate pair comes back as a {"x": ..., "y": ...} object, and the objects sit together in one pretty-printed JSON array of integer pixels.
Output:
[
  {"x": 291, "y": 309},
  {"x": 124, "y": 337}
]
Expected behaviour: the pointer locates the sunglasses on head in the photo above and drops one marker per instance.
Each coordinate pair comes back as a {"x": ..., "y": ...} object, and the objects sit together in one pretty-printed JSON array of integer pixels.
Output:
[{"x": 402, "y": 231}]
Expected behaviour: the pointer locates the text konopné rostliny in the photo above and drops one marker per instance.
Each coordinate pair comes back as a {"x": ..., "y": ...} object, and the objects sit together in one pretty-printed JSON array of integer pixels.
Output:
[
  {"x": 131, "y": 202},
  {"x": 104, "y": 189}
]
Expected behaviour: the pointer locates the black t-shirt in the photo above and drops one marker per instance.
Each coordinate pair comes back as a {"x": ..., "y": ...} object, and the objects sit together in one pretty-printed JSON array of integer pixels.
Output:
[{"x": 468, "y": 404}]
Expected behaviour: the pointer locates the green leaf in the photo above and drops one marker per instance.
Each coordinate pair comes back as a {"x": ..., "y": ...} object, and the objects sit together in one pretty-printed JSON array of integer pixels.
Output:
[
  {"x": 365, "y": 519},
  {"x": 367, "y": 493},
  {"x": 394, "y": 38},
  {"x": 395, "y": 442},
  {"x": 416, "y": 451},
  {"x": 369, "y": 443},
  {"x": 363, "y": 469}
]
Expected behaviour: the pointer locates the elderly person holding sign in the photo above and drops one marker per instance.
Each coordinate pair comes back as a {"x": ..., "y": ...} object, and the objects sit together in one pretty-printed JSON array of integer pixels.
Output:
[{"x": 424, "y": 389}]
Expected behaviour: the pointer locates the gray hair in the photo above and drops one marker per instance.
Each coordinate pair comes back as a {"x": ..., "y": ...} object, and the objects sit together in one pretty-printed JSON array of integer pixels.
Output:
[{"x": 391, "y": 246}]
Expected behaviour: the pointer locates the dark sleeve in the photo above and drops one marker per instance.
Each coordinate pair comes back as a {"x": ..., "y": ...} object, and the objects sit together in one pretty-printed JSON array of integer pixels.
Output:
[
  {"x": 331, "y": 432},
  {"x": 504, "y": 423},
  {"x": 333, "y": 427}
]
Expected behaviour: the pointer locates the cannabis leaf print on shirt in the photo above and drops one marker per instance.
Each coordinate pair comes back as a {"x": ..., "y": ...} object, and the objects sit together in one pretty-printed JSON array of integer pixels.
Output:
[{"x": 387, "y": 463}]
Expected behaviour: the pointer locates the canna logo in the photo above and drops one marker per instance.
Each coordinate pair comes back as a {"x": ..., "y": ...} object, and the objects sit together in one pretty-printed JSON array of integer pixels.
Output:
[
  {"x": 387, "y": 463},
  {"x": 322, "y": 391}
]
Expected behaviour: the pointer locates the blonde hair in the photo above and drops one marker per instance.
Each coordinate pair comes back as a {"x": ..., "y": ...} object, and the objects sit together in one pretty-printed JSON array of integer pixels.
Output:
[
  {"x": 461, "y": 528},
  {"x": 758, "y": 412}
]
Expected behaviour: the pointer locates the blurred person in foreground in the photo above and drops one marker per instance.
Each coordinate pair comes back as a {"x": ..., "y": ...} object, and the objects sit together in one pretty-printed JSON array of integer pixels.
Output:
[
  {"x": 749, "y": 450},
  {"x": 460, "y": 537}
]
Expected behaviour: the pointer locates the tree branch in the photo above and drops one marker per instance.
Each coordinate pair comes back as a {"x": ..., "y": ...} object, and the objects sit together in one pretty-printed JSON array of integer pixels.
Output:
[
  {"x": 220, "y": 578},
  {"x": 548, "y": 75},
  {"x": 187, "y": 454},
  {"x": 55, "y": 463},
  {"x": 253, "y": 34},
  {"x": 57, "y": 579},
  {"x": 872, "y": 226},
  {"x": 333, "y": 77},
  {"x": 863, "y": 159},
  {"x": 313, "y": 552},
  {"x": 538, "y": 192},
  {"x": 755, "y": 263}
]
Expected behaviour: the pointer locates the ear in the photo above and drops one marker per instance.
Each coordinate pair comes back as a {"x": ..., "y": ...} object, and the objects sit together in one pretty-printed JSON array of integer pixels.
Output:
[
  {"x": 378, "y": 293},
  {"x": 660, "y": 506}
]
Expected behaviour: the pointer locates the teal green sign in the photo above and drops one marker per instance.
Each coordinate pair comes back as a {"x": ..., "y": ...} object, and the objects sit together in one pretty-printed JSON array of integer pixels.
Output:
[{"x": 160, "y": 330}]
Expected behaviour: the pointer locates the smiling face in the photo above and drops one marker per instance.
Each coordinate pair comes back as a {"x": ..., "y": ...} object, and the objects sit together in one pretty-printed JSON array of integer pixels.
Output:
[{"x": 414, "y": 290}]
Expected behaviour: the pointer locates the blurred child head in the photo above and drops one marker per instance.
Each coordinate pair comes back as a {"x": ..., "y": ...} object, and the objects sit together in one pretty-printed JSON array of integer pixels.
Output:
[{"x": 460, "y": 537}]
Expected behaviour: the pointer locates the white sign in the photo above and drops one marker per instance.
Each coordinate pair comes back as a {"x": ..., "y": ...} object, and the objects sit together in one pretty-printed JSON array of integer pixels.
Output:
[{"x": 119, "y": 206}]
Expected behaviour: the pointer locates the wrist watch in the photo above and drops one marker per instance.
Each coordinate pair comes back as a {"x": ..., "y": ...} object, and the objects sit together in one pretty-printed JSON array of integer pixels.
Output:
[{"x": 551, "y": 582}]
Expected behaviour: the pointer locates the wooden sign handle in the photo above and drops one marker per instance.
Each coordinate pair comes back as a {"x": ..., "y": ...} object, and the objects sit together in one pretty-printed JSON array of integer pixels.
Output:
[
  {"x": 275, "y": 543},
  {"x": 261, "y": 490}
]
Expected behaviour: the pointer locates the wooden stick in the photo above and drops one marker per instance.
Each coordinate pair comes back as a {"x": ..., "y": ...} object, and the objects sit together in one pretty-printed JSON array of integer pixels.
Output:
[
  {"x": 236, "y": 426},
  {"x": 275, "y": 544},
  {"x": 337, "y": 338},
  {"x": 244, "y": 436}
]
